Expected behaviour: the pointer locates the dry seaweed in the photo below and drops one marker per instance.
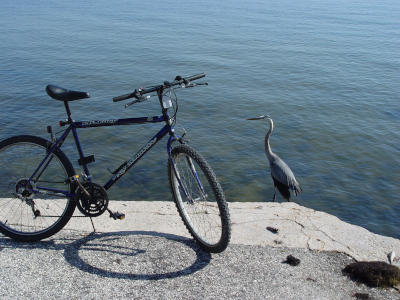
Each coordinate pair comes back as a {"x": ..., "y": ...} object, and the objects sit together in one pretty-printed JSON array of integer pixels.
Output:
[
  {"x": 291, "y": 260},
  {"x": 362, "y": 296},
  {"x": 272, "y": 229},
  {"x": 373, "y": 273}
]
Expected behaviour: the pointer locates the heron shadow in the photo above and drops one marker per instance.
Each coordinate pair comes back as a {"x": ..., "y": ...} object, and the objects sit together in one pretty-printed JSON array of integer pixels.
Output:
[{"x": 134, "y": 255}]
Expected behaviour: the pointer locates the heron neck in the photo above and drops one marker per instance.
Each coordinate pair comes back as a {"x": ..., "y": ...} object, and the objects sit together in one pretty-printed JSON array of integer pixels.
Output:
[{"x": 268, "y": 150}]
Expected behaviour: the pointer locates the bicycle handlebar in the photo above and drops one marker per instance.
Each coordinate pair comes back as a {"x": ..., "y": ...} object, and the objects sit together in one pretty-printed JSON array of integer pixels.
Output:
[
  {"x": 137, "y": 93},
  {"x": 124, "y": 97}
]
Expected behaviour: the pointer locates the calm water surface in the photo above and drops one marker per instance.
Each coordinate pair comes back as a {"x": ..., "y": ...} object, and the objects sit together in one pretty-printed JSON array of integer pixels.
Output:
[{"x": 328, "y": 72}]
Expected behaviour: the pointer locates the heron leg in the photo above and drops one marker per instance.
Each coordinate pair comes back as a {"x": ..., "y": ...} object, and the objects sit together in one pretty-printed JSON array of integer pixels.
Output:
[{"x": 274, "y": 197}]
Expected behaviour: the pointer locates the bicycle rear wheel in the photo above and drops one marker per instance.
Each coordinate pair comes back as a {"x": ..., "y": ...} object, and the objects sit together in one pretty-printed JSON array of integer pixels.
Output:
[
  {"x": 199, "y": 199},
  {"x": 25, "y": 214}
]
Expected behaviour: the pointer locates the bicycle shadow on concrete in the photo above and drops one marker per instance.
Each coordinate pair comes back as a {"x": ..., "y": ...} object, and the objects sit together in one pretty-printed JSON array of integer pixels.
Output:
[{"x": 134, "y": 255}]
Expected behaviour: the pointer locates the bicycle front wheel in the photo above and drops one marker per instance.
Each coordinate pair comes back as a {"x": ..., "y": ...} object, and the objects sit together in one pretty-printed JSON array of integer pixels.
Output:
[
  {"x": 31, "y": 210},
  {"x": 199, "y": 199}
]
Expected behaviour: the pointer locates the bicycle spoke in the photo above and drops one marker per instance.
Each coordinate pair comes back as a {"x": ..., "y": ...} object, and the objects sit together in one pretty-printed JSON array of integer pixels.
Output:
[
  {"x": 24, "y": 213},
  {"x": 199, "y": 205}
]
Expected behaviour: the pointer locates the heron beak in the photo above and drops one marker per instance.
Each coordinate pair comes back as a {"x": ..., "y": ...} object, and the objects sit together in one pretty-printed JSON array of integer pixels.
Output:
[{"x": 257, "y": 118}]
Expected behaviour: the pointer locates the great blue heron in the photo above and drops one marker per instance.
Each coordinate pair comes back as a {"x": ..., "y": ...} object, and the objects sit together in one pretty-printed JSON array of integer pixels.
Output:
[{"x": 282, "y": 175}]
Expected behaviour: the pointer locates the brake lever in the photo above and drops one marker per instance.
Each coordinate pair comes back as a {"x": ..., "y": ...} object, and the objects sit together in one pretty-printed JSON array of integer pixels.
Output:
[
  {"x": 140, "y": 99},
  {"x": 130, "y": 103},
  {"x": 190, "y": 85}
]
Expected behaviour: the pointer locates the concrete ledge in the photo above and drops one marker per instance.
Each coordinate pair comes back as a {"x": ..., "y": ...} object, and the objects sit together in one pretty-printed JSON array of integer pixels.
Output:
[{"x": 298, "y": 227}]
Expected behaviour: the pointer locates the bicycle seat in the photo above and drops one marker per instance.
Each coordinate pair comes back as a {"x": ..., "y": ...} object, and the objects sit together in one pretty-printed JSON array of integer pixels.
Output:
[{"x": 62, "y": 94}]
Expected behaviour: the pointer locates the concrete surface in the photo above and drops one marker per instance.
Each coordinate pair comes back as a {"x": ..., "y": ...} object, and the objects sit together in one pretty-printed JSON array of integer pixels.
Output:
[
  {"x": 299, "y": 227},
  {"x": 148, "y": 256}
]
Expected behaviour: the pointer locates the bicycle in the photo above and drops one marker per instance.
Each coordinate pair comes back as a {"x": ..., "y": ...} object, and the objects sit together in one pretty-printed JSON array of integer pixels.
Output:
[{"x": 40, "y": 190}]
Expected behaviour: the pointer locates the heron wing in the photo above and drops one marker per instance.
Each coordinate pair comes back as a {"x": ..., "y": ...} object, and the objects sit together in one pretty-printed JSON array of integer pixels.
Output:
[
  {"x": 281, "y": 172},
  {"x": 282, "y": 188}
]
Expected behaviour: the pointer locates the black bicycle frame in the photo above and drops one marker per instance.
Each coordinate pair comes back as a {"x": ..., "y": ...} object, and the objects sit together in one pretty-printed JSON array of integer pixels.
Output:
[{"x": 123, "y": 168}]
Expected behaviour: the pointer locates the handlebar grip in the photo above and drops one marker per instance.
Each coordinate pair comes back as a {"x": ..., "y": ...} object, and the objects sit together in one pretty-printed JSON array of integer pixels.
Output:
[
  {"x": 124, "y": 97},
  {"x": 195, "y": 77}
]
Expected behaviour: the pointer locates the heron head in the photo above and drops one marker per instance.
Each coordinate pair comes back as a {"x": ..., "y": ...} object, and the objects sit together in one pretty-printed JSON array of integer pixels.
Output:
[
  {"x": 260, "y": 117},
  {"x": 268, "y": 118}
]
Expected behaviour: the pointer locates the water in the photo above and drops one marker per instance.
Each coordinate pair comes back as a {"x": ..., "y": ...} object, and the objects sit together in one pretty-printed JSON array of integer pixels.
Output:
[{"x": 326, "y": 71}]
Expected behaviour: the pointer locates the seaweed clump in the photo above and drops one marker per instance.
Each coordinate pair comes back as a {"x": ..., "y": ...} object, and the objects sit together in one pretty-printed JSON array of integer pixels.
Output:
[
  {"x": 362, "y": 296},
  {"x": 291, "y": 260},
  {"x": 272, "y": 229},
  {"x": 373, "y": 273}
]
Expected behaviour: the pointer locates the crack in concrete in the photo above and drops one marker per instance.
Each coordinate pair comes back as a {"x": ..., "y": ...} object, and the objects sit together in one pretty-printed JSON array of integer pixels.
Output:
[{"x": 352, "y": 253}]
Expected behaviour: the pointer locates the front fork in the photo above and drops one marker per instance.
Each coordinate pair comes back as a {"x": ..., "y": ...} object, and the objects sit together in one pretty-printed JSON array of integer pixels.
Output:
[{"x": 172, "y": 139}]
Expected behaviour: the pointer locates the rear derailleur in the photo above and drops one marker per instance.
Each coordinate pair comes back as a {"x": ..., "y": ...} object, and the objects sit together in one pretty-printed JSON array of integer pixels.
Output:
[{"x": 24, "y": 191}]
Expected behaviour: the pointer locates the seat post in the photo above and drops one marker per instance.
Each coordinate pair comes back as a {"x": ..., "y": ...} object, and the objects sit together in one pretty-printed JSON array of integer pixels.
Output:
[{"x": 68, "y": 111}]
